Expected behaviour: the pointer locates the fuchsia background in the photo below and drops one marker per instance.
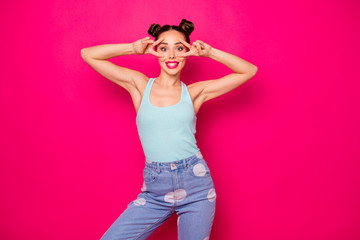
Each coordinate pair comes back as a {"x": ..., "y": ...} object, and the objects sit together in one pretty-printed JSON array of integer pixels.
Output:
[{"x": 283, "y": 147}]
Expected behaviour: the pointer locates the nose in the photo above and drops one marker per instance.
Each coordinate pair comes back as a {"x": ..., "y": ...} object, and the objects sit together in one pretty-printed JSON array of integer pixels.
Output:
[{"x": 171, "y": 54}]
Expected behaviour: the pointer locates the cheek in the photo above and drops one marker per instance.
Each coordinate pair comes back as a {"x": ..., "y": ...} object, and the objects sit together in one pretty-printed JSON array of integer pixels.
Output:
[{"x": 182, "y": 64}]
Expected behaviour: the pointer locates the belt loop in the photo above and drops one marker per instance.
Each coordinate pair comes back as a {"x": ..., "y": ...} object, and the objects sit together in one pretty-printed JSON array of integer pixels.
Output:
[
  {"x": 158, "y": 167},
  {"x": 184, "y": 163}
]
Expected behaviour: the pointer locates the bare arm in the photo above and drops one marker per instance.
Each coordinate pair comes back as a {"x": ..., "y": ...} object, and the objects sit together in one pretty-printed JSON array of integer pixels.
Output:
[
  {"x": 233, "y": 62},
  {"x": 243, "y": 71},
  {"x": 96, "y": 57},
  {"x": 107, "y": 51}
]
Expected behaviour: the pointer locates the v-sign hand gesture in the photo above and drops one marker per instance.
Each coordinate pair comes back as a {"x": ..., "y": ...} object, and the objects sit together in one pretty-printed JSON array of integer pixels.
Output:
[
  {"x": 146, "y": 45},
  {"x": 199, "y": 48}
]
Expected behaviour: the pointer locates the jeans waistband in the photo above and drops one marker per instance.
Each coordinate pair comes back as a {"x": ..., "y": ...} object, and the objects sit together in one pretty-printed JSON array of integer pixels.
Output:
[{"x": 178, "y": 164}]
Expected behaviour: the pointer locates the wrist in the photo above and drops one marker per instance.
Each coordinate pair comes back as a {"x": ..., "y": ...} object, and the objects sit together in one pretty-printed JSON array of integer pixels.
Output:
[
  {"x": 212, "y": 53},
  {"x": 131, "y": 48}
]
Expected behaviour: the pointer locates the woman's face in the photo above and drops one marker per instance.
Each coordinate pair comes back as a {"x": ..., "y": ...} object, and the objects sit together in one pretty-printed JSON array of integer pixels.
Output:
[{"x": 170, "y": 47}]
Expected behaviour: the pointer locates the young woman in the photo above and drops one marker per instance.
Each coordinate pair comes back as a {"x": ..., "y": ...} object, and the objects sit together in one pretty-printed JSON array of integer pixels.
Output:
[{"x": 176, "y": 176}]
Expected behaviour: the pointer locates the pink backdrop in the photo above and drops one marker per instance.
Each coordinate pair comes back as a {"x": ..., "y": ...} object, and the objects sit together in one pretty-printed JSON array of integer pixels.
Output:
[{"x": 283, "y": 147}]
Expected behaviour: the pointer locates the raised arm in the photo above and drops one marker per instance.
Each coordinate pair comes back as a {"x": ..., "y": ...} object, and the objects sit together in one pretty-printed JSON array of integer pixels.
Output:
[
  {"x": 96, "y": 57},
  {"x": 243, "y": 71}
]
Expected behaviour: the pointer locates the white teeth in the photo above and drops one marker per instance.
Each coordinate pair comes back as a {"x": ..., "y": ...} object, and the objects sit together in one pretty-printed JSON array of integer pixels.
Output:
[{"x": 172, "y": 64}]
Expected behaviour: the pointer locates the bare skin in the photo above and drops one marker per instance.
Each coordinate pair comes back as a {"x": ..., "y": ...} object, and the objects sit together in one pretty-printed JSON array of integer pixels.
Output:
[{"x": 166, "y": 90}]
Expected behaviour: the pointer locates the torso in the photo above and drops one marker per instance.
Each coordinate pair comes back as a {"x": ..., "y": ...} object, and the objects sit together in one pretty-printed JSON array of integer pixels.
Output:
[{"x": 172, "y": 96}]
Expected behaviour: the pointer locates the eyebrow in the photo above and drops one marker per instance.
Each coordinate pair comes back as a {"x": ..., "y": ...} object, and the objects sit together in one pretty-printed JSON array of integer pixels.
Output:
[{"x": 167, "y": 43}]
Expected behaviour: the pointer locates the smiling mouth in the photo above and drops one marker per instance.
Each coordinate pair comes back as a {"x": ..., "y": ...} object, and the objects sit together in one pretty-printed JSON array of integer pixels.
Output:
[{"x": 172, "y": 65}]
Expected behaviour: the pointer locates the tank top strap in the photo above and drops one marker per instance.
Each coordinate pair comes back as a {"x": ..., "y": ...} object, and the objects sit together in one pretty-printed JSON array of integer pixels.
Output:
[
  {"x": 147, "y": 91},
  {"x": 183, "y": 92},
  {"x": 187, "y": 97}
]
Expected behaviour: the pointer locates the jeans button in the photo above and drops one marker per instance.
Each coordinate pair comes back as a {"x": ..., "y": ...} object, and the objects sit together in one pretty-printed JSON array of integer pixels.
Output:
[{"x": 173, "y": 166}]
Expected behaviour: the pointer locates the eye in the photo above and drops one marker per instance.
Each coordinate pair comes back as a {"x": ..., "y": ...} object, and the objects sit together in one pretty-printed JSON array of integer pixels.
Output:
[
  {"x": 180, "y": 48},
  {"x": 162, "y": 48}
]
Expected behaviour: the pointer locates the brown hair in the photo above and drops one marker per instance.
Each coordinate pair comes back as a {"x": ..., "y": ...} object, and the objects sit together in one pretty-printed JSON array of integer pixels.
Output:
[{"x": 185, "y": 27}]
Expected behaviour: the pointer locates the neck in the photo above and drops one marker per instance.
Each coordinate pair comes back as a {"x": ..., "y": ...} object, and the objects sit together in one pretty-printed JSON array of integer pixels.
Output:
[{"x": 167, "y": 80}]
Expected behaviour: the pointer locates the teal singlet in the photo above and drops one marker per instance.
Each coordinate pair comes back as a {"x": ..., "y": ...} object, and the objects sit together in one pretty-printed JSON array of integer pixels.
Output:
[{"x": 167, "y": 133}]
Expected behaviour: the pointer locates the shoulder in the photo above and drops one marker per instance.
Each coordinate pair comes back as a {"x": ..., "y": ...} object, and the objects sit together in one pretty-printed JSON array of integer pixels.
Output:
[
  {"x": 195, "y": 89},
  {"x": 140, "y": 83}
]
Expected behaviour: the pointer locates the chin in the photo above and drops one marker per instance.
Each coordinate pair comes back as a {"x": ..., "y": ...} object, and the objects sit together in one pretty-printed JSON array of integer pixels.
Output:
[{"x": 173, "y": 73}]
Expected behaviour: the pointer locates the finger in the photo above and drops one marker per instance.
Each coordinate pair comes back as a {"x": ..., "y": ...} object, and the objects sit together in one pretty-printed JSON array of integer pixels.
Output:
[
  {"x": 148, "y": 41},
  {"x": 185, "y": 43},
  {"x": 144, "y": 39},
  {"x": 158, "y": 41},
  {"x": 197, "y": 45},
  {"x": 156, "y": 53},
  {"x": 200, "y": 42},
  {"x": 203, "y": 45},
  {"x": 185, "y": 54}
]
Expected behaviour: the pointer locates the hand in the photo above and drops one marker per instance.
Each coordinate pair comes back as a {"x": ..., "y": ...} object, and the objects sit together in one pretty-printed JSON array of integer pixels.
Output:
[
  {"x": 146, "y": 45},
  {"x": 199, "y": 48}
]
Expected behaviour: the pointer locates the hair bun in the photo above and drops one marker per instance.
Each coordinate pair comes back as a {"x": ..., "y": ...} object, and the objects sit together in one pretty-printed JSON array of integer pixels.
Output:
[
  {"x": 154, "y": 28},
  {"x": 187, "y": 26}
]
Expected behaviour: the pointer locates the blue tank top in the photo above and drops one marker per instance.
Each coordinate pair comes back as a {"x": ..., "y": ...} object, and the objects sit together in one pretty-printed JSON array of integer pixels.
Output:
[{"x": 167, "y": 133}]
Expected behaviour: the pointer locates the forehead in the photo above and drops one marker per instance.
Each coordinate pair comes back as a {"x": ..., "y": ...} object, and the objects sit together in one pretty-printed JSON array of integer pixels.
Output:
[{"x": 172, "y": 36}]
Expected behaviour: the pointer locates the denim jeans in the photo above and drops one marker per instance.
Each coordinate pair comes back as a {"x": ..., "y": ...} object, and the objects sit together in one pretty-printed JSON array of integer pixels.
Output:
[{"x": 183, "y": 186}]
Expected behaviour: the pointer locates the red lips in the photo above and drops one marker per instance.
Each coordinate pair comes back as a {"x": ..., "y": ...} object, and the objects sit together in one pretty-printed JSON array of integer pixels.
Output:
[{"x": 172, "y": 65}]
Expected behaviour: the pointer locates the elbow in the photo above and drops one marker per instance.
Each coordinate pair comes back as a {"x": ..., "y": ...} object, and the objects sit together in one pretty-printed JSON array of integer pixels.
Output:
[
  {"x": 254, "y": 70},
  {"x": 83, "y": 53}
]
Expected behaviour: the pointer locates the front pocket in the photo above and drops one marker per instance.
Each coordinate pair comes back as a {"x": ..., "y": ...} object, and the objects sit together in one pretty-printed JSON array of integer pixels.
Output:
[
  {"x": 199, "y": 169},
  {"x": 150, "y": 175}
]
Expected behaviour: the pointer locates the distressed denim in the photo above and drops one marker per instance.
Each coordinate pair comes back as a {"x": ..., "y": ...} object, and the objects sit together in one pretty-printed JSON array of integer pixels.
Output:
[{"x": 184, "y": 186}]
